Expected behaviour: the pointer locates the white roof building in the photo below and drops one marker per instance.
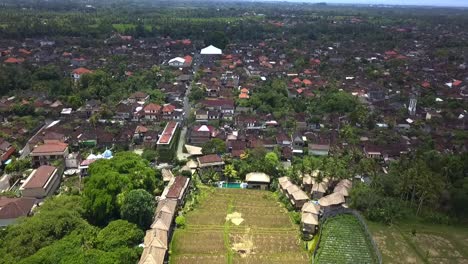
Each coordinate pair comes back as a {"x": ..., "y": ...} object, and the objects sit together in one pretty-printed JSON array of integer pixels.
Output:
[
  {"x": 211, "y": 50},
  {"x": 177, "y": 59}
]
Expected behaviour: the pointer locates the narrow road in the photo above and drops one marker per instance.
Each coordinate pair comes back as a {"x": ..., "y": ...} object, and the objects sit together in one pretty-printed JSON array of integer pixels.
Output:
[
  {"x": 4, "y": 183},
  {"x": 180, "y": 147},
  {"x": 183, "y": 134}
]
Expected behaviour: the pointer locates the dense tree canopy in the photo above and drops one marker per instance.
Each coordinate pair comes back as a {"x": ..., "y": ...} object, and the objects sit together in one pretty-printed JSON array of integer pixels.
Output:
[
  {"x": 111, "y": 180},
  {"x": 138, "y": 207}
]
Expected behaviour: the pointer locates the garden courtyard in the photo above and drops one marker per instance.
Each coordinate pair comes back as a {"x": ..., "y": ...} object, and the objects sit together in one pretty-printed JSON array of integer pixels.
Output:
[{"x": 238, "y": 226}]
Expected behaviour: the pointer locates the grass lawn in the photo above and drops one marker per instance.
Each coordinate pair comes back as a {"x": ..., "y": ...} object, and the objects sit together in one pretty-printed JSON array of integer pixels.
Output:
[
  {"x": 430, "y": 244},
  {"x": 265, "y": 234}
]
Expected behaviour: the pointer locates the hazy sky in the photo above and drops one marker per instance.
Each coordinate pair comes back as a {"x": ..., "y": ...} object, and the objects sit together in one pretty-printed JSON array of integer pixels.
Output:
[{"x": 400, "y": 2}]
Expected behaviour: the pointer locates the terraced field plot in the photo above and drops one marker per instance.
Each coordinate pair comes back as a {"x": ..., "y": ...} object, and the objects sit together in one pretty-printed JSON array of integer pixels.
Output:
[
  {"x": 343, "y": 240},
  {"x": 265, "y": 234},
  {"x": 429, "y": 244}
]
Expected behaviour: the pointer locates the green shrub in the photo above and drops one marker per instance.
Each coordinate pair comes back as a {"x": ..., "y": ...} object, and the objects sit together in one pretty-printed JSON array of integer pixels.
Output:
[{"x": 180, "y": 221}]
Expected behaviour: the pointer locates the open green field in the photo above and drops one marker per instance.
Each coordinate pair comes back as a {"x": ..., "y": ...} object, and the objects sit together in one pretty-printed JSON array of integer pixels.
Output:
[
  {"x": 430, "y": 244},
  {"x": 343, "y": 240},
  {"x": 266, "y": 234}
]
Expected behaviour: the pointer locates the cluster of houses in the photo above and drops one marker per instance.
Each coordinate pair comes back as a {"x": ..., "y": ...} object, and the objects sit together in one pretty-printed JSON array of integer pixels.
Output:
[
  {"x": 158, "y": 237},
  {"x": 313, "y": 197}
]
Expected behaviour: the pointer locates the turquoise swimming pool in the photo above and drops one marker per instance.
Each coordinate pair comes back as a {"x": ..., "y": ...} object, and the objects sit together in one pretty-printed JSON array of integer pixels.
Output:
[{"x": 232, "y": 185}]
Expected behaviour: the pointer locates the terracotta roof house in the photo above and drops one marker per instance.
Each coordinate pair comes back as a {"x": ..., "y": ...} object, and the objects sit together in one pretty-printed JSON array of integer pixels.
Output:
[
  {"x": 12, "y": 60},
  {"x": 152, "y": 111},
  {"x": 6, "y": 150},
  {"x": 211, "y": 161},
  {"x": 77, "y": 73},
  {"x": 244, "y": 96},
  {"x": 166, "y": 141},
  {"x": 41, "y": 183},
  {"x": 13, "y": 208},
  {"x": 167, "y": 111},
  {"x": 46, "y": 153}
]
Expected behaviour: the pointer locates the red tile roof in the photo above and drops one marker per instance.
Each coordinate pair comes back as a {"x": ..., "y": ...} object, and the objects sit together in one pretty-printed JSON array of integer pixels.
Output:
[
  {"x": 152, "y": 108},
  {"x": 24, "y": 51},
  {"x": 11, "y": 208},
  {"x": 188, "y": 59},
  {"x": 177, "y": 188},
  {"x": 14, "y": 60},
  {"x": 81, "y": 71},
  {"x": 307, "y": 82},
  {"x": 456, "y": 82},
  {"x": 40, "y": 177},
  {"x": 168, "y": 108},
  {"x": 243, "y": 96},
  {"x": 296, "y": 80},
  {"x": 50, "y": 148},
  {"x": 168, "y": 132},
  {"x": 212, "y": 158},
  {"x": 426, "y": 84}
]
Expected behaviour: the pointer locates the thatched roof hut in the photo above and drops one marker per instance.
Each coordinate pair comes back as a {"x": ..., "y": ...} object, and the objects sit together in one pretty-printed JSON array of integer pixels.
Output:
[
  {"x": 299, "y": 195},
  {"x": 320, "y": 187},
  {"x": 311, "y": 208},
  {"x": 346, "y": 183},
  {"x": 341, "y": 189},
  {"x": 309, "y": 219},
  {"x": 332, "y": 199},
  {"x": 292, "y": 188}
]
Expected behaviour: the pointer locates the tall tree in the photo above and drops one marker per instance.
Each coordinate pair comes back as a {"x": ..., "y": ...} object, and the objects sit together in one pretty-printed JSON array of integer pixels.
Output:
[{"x": 138, "y": 208}]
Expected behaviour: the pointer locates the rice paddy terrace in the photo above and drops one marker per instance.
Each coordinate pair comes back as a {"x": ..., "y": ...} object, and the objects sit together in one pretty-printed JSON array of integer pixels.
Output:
[{"x": 238, "y": 226}]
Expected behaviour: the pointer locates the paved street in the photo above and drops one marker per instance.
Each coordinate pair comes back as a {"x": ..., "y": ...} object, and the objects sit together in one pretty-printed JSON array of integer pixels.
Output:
[{"x": 183, "y": 134}]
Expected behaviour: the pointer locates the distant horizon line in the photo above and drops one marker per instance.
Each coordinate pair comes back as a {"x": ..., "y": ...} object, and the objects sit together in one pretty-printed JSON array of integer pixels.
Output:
[{"x": 372, "y": 3}]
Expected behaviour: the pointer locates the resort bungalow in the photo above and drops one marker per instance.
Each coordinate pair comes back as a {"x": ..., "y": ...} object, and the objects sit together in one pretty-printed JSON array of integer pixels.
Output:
[
  {"x": 283, "y": 184},
  {"x": 309, "y": 223},
  {"x": 155, "y": 247},
  {"x": 291, "y": 189},
  {"x": 307, "y": 183},
  {"x": 257, "y": 180},
  {"x": 299, "y": 198},
  {"x": 332, "y": 200},
  {"x": 318, "y": 190},
  {"x": 157, "y": 238},
  {"x": 311, "y": 208},
  {"x": 343, "y": 187}
]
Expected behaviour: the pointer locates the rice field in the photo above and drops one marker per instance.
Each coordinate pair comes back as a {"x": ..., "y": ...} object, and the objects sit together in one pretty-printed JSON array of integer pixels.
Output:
[
  {"x": 421, "y": 243},
  {"x": 265, "y": 233},
  {"x": 343, "y": 240}
]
